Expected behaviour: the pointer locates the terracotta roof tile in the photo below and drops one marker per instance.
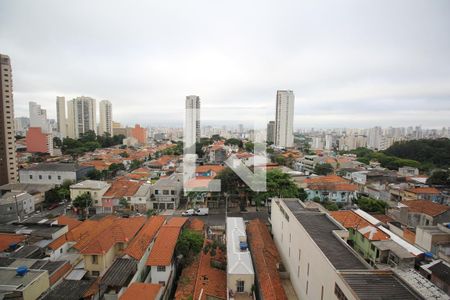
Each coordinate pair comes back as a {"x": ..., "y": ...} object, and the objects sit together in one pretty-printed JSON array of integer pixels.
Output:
[
  {"x": 196, "y": 225},
  {"x": 350, "y": 219},
  {"x": 426, "y": 207},
  {"x": 383, "y": 218},
  {"x": 424, "y": 190},
  {"x": 55, "y": 244},
  {"x": 348, "y": 187},
  {"x": 6, "y": 239},
  {"x": 140, "y": 243},
  {"x": 123, "y": 188},
  {"x": 164, "y": 247},
  {"x": 265, "y": 257},
  {"x": 177, "y": 221},
  {"x": 326, "y": 179},
  {"x": 70, "y": 222},
  {"x": 141, "y": 291}
]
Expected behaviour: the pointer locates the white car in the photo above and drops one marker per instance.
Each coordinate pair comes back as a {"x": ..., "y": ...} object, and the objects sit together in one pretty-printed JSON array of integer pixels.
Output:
[
  {"x": 189, "y": 212},
  {"x": 202, "y": 211}
]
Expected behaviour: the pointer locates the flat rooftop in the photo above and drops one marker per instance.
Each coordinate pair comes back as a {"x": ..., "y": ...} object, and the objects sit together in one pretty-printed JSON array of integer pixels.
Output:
[
  {"x": 321, "y": 228},
  {"x": 10, "y": 281}
]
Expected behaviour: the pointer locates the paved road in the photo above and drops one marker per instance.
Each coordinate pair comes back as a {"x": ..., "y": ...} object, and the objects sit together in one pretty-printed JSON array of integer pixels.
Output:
[{"x": 216, "y": 217}]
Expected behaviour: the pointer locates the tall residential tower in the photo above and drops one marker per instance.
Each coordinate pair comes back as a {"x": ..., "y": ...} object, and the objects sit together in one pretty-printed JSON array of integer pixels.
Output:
[
  {"x": 8, "y": 160},
  {"x": 284, "y": 124},
  {"x": 105, "y": 125},
  {"x": 81, "y": 116},
  {"x": 192, "y": 126},
  {"x": 61, "y": 116}
]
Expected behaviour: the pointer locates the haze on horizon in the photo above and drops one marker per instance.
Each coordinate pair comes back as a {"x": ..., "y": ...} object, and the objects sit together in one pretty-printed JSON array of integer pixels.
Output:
[{"x": 351, "y": 63}]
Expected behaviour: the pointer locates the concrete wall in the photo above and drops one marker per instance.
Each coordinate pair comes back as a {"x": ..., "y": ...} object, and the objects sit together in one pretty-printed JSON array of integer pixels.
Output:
[
  {"x": 309, "y": 269},
  {"x": 95, "y": 194},
  {"x": 37, "y": 287},
  {"x": 55, "y": 177},
  {"x": 156, "y": 276}
]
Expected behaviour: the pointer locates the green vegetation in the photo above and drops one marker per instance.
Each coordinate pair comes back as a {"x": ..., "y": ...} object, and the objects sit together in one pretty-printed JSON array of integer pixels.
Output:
[
  {"x": 58, "y": 193},
  {"x": 323, "y": 169},
  {"x": 390, "y": 162},
  {"x": 189, "y": 245},
  {"x": 371, "y": 205},
  {"x": 234, "y": 142},
  {"x": 89, "y": 142},
  {"x": 439, "y": 177},
  {"x": 82, "y": 201},
  {"x": 123, "y": 202},
  {"x": 135, "y": 163}
]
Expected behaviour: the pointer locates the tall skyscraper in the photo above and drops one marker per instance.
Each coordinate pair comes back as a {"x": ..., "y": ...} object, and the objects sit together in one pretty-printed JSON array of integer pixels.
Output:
[
  {"x": 284, "y": 126},
  {"x": 81, "y": 116},
  {"x": 192, "y": 126},
  {"x": 271, "y": 132},
  {"x": 61, "y": 116},
  {"x": 8, "y": 160},
  {"x": 38, "y": 117},
  {"x": 105, "y": 125}
]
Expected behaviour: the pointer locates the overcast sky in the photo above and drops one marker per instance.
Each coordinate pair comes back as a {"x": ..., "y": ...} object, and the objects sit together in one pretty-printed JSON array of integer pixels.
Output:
[{"x": 350, "y": 63}]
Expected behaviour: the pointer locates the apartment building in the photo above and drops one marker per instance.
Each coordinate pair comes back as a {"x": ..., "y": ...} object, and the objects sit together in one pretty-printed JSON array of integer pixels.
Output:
[
  {"x": 81, "y": 116},
  {"x": 105, "y": 125},
  {"x": 8, "y": 161},
  {"x": 321, "y": 264},
  {"x": 53, "y": 173},
  {"x": 95, "y": 188},
  {"x": 284, "y": 122}
]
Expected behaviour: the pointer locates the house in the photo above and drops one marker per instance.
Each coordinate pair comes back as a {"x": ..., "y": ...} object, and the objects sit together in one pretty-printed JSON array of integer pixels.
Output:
[
  {"x": 343, "y": 193},
  {"x": 140, "y": 200},
  {"x": 435, "y": 239},
  {"x": 167, "y": 192},
  {"x": 208, "y": 171},
  {"x": 117, "y": 278},
  {"x": 240, "y": 272},
  {"x": 217, "y": 153},
  {"x": 10, "y": 241},
  {"x": 165, "y": 162},
  {"x": 139, "y": 248},
  {"x": 120, "y": 189},
  {"x": 420, "y": 213},
  {"x": 266, "y": 260},
  {"x": 139, "y": 290},
  {"x": 54, "y": 173},
  {"x": 16, "y": 205},
  {"x": 23, "y": 283},
  {"x": 408, "y": 171},
  {"x": 36, "y": 190},
  {"x": 95, "y": 188},
  {"x": 423, "y": 193},
  {"x": 100, "y": 251},
  {"x": 320, "y": 263},
  {"x": 161, "y": 260},
  {"x": 439, "y": 273},
  {"x": 86, "y": 289}
]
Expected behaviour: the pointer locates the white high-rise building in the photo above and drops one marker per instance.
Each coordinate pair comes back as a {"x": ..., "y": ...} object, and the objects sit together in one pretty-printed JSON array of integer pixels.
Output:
[
  {"x": 61, "y": 116},
  {"x": 8, "y": 160},
  {"x": 105, "y": 125},
  {"x": 38, "y": 117},
  {"x": 192, "y": 126},
  {"x": 81, "y": 116},
  {"x": 284, "y": 124}
]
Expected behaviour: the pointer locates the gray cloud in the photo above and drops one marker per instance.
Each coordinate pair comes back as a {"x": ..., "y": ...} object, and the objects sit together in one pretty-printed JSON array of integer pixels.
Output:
[{"x": 350, "y": 63}]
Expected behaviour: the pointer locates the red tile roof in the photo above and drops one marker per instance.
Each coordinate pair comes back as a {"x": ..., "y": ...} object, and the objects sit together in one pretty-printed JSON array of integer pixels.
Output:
[
  {"x": 122, "y": 188},
  {"x": 424, "y": 190},
  {"x": 141, "y": 291},
  {"x": 350, "y": 219},
  {"x": 196, "y": 225},
  {"x": 6, "y": 239},
  {"x": 140, "y": 243},
  {"x": 70, "y": 222},
  {"x": 164, "y": 247},
  {"x": 121, "y": 231},
  {"x": 265, "y": 257},
  {"x": 326, "y": 179},
  {"x": 186, "y": 284},
  {"x": 55, "y": 244},
  {"x": 347, "y": 187},
  {"x": 176, "y": 221},
  {"x": 426, "y": 207},
  {"x": 383, "y": 218}
]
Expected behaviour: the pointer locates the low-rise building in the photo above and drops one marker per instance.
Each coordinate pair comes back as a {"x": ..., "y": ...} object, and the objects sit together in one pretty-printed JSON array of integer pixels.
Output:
[
  {"x": 119, "y": 189},
  {"x": 423, "y": 193},
  {"x": 16, "y": 205},
  {"x": 321, "y": 264},
  {"x": 240, "y": 272},
  {"x": 141, "y": 199},
  {"x": 439, "y": 273},
  {"x": 435, "y": 239},
  {"x": 420, "y": 213},
  {"x": 36, "y": 190},
  {"x": 140, "y": 290},
  {"x": 54, "y": 173},
  {"x": 23, "y": 283},
  {"x": 167, "y": 192},
  {"x": 95, "y": 188}
]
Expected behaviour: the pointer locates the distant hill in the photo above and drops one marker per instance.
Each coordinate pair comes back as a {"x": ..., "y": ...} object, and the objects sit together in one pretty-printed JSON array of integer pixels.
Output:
[{"x": 432, "y": 153}]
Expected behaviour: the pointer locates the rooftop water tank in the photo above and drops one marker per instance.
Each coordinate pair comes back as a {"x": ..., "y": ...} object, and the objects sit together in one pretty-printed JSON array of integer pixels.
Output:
[{"x": 22, "y": 270}]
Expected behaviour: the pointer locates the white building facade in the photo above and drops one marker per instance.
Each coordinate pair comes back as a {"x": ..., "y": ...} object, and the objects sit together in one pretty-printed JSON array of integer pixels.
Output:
[
  {"x": 284, "y": 123},
  {"x": 105, "y": 125}
]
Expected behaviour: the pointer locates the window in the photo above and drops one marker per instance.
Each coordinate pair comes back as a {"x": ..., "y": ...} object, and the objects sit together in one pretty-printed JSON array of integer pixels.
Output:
[
  {"x": 172, "y": 192},
  {"x": 307, "y": 270},
  {"x": 165, "y": 192},
  {"x": 49, "y": 177},
  {"x": 163, "y": 283},
  {"x": 298, "y": 271},
  {"x": 40, "y": 176},
  {"x": 94, "y": 259},
  {"x": 161, "y": 268},
  {"x": 307, "y": 285},
  {"x": 321, "y": 293},
  {"x": 60, "y": 250},
  {"x": 59, "y": 177},
  {"x": 299, "y": 254},
  {"x": 240, "y": 285},
  {"x": 338, "y": 292},
  {"x": 31, "y": 176}
]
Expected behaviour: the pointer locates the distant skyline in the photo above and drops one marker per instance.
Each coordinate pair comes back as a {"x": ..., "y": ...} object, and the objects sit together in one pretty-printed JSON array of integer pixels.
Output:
[{"x": 351, "y": 63}]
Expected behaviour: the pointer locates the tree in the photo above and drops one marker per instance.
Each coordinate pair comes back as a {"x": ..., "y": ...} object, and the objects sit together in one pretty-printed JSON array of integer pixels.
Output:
[
  {"x": 234, "y": 142},
  {"x": 216, "y": 137},
  {"x": 135, "y": 164},
  {"x": 249, "y": 146},
  {"x": 124, "y": 154},
  {"x": 57, "y": 143},
  {"x": 82, "y": 202},
  {"x": 95, "y": 175},
  {"x": 331, "y": 206},
  {"x": 123, "y": 202},
  {"x": 371, "y": 205},
  {"x": 439, "y": 177},
  {"x": 189, "y": 244},
  {"x": 323, "y": 169}
]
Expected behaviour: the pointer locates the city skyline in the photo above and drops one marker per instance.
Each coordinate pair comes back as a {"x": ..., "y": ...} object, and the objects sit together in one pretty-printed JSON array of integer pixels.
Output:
[{"x": 382, "y": 66}]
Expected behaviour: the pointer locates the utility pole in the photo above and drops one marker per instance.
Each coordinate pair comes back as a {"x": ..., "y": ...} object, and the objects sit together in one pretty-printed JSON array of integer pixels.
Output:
[{"x": 17, "y": 208}]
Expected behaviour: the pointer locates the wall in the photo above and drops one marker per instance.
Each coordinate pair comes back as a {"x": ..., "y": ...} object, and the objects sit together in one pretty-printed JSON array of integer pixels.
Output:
[
  {"x": 297, "y": 250},
  {"x": 104, "y": 262},
  {"x": 95, "y": 194},
  {"x": 156, "y": 276},
  {"x": 37, "y": 287},
  {"x": 55, "y": 177},
  {"x": 247, "y": 278}
]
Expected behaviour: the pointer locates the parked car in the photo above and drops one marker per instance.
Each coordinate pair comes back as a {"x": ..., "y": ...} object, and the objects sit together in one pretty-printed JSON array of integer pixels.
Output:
[
  {"x": 189, "y": 212},
  {"x": 53, "y": 206},
  {"x": 202, "y": 211}
]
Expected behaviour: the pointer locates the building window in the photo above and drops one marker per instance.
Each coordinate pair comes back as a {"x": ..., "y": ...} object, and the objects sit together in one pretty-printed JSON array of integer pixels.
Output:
[
  {"x": 40, "y": 176},
  {"x": 59, "y": 177},
  {"x": 163, "y": 283},
  {"x": 172, "y": 192},
  {"x": 161, "y": 268},
  {"x": 299, "y": 255},
  {"x": 94, "y": 259},
  {"x": 338, "y": 292},
  {"x": 50, "y": 177},
  {"x": 31, "y": 176},
  {"x": 240, "y": 285},
  {"x": 321, "y": 293},
  {"x": 298, "y": 271},
  {"x": 307, "y": 285},
  {"x": 307, "y": 270}
]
